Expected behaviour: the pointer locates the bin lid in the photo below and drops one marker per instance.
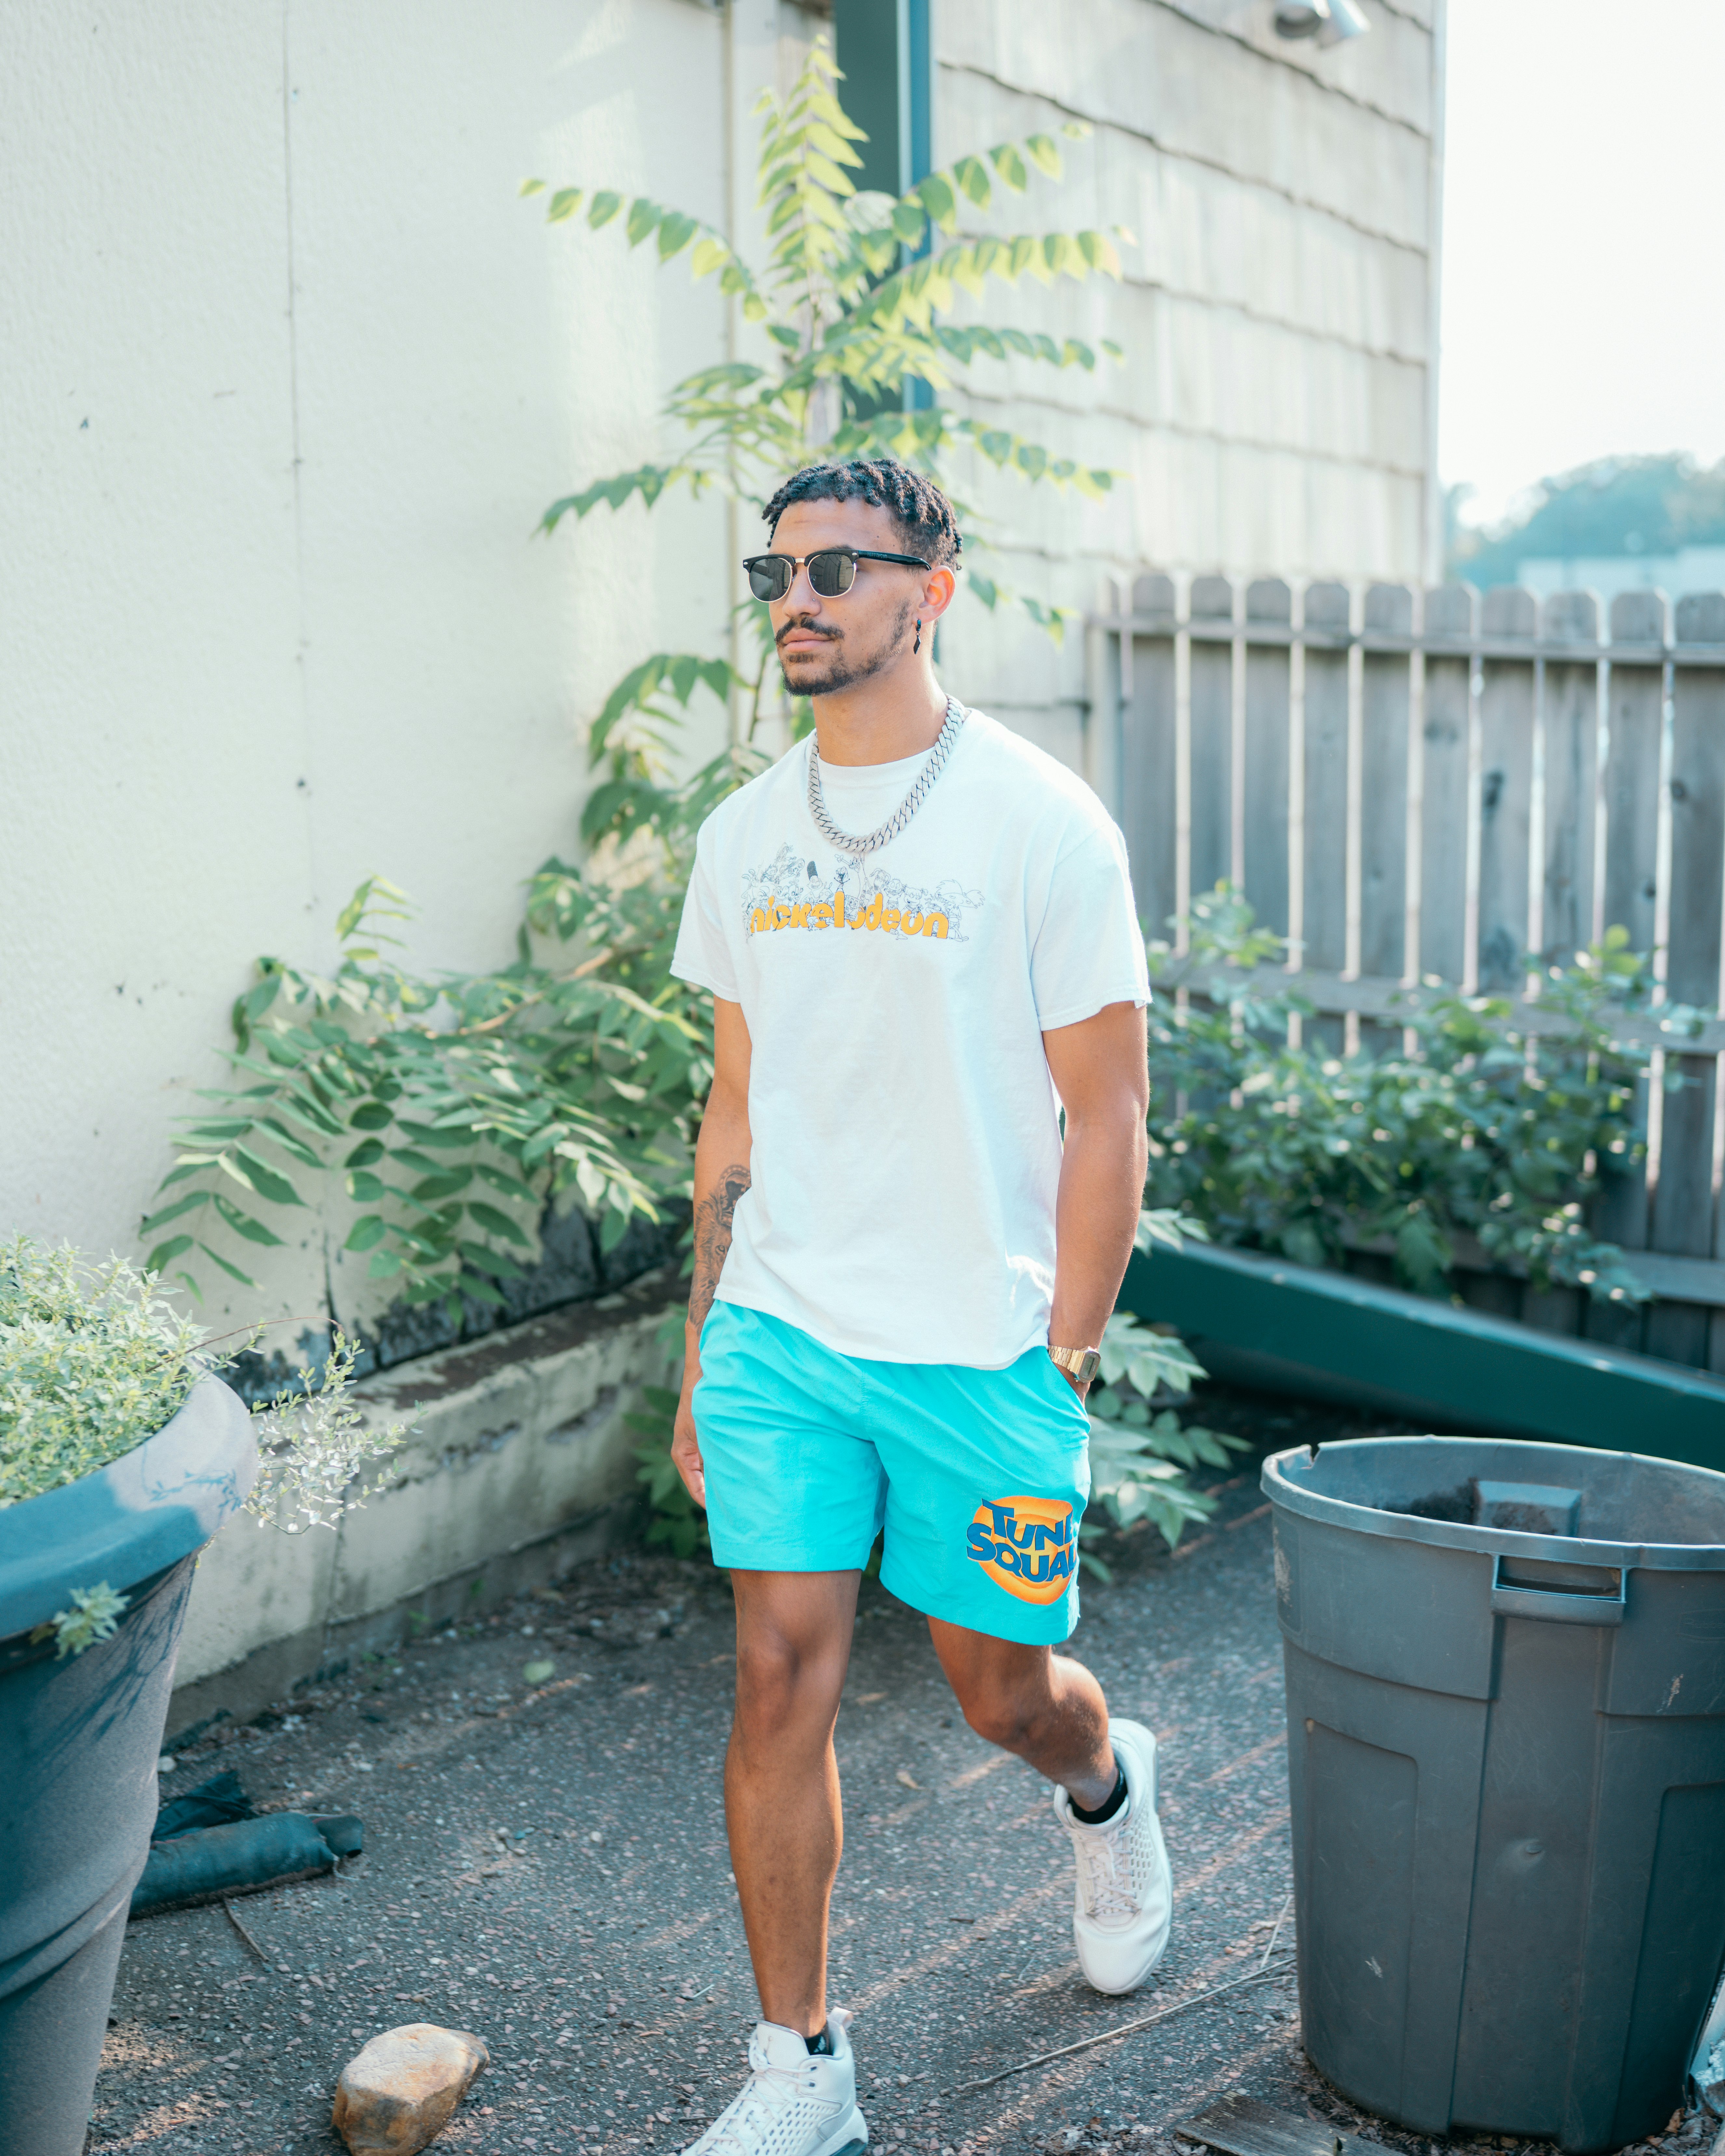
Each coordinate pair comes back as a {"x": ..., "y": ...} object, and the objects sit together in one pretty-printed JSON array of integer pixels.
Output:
[{"x": 1502, "y": 1495}]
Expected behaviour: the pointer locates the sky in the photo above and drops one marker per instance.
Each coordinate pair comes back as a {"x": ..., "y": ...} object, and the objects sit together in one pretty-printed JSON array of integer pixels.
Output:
[{"x": 1584, "y": 242}]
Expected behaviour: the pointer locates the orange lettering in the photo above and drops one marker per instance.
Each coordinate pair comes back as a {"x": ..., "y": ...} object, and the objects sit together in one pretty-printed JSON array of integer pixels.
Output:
[
  {"x": 799, "y": 917},
  {"x": 823, "y": 914},
  {"x": 934, "y": 924},
  {"x": 760, "y": 923},
  {"x": 913, "y": 924},
  {"x": 893, "y": 917}
]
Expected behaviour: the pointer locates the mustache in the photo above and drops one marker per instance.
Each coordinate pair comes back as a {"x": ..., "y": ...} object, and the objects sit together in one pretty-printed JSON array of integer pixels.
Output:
[{"x": 807, "y": 629}]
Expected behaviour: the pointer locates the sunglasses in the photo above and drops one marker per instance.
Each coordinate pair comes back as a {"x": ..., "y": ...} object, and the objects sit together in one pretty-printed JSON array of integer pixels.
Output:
[{"x": 831, "y": 572}]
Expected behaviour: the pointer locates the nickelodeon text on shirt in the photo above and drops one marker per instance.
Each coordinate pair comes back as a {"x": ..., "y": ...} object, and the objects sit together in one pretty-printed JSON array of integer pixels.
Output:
[{"x": 831, "y": 913}]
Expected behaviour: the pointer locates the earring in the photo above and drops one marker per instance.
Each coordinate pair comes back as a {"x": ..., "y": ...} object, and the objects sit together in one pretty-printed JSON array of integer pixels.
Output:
[{"x": 917, "y": 646}]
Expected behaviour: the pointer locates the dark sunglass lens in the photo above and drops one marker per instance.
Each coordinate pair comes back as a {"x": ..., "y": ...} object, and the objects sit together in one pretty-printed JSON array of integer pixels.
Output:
[
  {"x": 830, "y": 574},
  {"x": 769, "y": 575}
]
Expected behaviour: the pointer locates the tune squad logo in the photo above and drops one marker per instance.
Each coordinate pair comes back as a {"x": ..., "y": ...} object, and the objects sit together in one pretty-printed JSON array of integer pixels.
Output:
[{"x": 1027, "y": 1545}]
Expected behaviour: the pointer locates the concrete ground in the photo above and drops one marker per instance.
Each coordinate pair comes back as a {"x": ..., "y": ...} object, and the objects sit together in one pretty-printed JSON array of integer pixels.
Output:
[{"x": 545, "y": 1865}]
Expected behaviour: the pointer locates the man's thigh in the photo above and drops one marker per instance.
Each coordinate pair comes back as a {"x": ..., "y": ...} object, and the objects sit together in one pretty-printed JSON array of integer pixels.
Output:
[
  {"x": 986, "y": 1673},
  {"x": 793, "y": 1484}
]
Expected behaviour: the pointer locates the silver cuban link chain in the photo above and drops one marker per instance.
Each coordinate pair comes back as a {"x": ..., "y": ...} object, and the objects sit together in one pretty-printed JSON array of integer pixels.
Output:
[{"x": 906, "y": 809}]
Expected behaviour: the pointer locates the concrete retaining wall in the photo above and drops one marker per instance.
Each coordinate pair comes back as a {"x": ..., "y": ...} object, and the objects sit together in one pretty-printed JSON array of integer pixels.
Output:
[{"x": 519, "y": 1466}]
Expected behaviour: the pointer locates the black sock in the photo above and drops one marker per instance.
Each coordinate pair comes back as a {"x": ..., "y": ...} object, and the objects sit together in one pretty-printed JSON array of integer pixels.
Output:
[
  {"x": 820, "y": 2047},
  {"x": 1105, "y": 1811}
]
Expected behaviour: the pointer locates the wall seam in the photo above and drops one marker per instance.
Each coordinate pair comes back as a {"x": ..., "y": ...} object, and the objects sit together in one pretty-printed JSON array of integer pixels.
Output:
[
  {"x": 1186, "y": 431},
  {"x": 1192, "y": 157},
  {"x": 1278, "y": 60},
  {"x": 1214, "y": 304}
]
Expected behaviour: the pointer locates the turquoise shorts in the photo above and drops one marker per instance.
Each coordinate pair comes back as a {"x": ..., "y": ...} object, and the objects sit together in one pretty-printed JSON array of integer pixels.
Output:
[{"x": 979, "y": 1477}]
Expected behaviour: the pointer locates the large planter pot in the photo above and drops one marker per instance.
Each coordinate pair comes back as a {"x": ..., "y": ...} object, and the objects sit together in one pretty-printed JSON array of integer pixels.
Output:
[
  {"x": 1282, "y": 1327},
  {"x": 78, "y": 1740}
]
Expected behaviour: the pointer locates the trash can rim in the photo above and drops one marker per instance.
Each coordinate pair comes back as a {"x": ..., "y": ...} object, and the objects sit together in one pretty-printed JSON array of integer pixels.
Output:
[{"x": 1284, "y": 1491}]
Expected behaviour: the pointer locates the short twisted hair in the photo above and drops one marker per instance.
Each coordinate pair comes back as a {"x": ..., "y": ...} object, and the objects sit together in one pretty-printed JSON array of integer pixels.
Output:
[{"x": 915, "y": 505}]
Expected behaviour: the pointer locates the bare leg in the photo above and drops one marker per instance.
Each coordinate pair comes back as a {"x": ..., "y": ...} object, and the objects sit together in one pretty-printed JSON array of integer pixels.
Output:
[
  {"x": 782, "y": 1780},
  {"x": 1045, "y": 1708}
]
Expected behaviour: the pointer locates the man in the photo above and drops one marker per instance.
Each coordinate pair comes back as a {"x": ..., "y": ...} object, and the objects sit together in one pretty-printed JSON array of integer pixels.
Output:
[{"x": 919, "y": 935}]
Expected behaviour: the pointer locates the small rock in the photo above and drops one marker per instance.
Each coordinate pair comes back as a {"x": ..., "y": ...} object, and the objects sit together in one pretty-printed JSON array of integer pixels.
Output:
[
  {"x": 535, "y": 1673},
  {"x": 402, "y": 2090}
]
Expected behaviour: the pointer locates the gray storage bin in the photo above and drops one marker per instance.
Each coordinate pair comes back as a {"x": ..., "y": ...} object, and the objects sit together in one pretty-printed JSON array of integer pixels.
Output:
[{"x": 1506, "y": 1678}]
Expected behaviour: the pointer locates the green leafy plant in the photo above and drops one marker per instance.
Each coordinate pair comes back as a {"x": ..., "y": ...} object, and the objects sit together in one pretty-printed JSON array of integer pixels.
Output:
[
  {"x": 453, "y": 1106},
  {"x": 852, "y": 303},
  {"x": 1140, "y": 1453},
  {"x": 1485, "y": 1128},
  {"x": 95, "y": 1360},
  {"x": 853, "y": 295},
  {"x": 675, "y": 1519}
]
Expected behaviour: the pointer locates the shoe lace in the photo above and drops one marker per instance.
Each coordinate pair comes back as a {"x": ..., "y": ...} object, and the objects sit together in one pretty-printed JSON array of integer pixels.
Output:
[
  {"x": 1105, "y": 1870},
  {"x": 746, "y": 2120}
]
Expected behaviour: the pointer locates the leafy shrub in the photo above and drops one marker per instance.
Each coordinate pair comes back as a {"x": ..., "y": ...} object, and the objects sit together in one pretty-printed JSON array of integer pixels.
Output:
[
  {"x": 1488, "y": 1128},
  {"x": 1140, "y": 1453},
  {"x": 93, "y": 1361}
]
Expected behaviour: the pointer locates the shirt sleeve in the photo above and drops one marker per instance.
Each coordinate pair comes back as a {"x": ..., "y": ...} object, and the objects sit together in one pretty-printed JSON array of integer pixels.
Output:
[
  {"x": 703, "y": 954},
  {"x": 1089, "y": 951}
]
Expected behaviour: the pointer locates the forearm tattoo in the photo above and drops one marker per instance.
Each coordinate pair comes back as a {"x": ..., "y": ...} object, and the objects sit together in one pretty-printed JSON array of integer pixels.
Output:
[{"x": 712, "y": 1239}]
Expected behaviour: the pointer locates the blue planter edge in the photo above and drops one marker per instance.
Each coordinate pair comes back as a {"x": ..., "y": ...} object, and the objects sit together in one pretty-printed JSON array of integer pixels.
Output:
[
  {"x": 133, "y": 1518},
  {"x": 1264, "y": 1322}
]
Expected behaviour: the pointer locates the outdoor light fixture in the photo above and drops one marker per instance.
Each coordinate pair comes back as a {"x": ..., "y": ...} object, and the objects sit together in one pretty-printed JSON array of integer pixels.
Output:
[{"x": 1329, "y": 21}]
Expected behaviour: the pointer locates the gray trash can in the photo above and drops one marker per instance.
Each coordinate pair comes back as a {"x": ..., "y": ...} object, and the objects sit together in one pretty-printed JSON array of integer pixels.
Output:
[{"x": 1505, "y": 1679}]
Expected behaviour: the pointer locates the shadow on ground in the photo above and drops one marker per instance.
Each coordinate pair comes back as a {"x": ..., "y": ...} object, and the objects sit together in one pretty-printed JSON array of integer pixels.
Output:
[{"x": 545, "y": 1865}]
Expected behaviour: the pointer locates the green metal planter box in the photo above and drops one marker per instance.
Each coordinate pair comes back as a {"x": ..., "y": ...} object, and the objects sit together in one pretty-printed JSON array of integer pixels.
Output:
[{"x": 1262, "y": 1322}]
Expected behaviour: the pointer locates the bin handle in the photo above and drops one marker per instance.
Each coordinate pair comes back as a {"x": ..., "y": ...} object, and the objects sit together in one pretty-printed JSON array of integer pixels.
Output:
[{"x": 1556, "y": 1606}]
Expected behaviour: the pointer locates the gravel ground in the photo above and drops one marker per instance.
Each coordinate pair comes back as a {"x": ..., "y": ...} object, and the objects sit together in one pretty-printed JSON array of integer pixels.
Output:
[{"x": 545, "y": 1865}]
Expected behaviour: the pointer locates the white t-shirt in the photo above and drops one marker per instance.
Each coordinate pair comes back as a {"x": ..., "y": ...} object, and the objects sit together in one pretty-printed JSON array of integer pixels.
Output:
[{"x": 907, "y": 1147}]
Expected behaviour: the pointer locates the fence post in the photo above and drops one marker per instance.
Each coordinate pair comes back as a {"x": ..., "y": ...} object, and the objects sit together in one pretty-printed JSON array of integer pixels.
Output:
[
  {"x": 1268, "y": 710},
  {"x": 1634, "y": 728},
  {"x": 1505, "y": 789},
  {"x": 1569, "y": 721},
  {"x": 1211, "y": 761},
  {"x": 1149, "y": 757},
  {"x": 1450, "y": 612},
  {"x": 1324, "y": 839},
  {"x": 1683, "y": 1201},
  {"x": 1386, "y": 702}
]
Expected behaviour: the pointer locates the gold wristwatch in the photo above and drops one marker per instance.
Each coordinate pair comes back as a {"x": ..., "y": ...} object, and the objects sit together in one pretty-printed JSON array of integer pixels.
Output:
[{"x": 1080, "y": 1362}]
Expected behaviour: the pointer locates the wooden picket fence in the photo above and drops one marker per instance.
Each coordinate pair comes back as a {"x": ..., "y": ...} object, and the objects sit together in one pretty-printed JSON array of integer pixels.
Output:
[{"x": 1410, "y": 784}]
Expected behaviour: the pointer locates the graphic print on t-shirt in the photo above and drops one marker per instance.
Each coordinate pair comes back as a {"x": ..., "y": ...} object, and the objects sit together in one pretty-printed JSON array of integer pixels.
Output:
[{"x": 790, "y": 892}]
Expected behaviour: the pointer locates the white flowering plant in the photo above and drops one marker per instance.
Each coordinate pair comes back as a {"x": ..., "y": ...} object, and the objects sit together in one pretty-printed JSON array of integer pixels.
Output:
[{"x": 95, "y": 1360}]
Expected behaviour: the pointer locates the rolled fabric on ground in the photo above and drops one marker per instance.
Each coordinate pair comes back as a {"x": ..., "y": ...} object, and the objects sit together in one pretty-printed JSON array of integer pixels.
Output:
[{"x": 228, "y": 1859}]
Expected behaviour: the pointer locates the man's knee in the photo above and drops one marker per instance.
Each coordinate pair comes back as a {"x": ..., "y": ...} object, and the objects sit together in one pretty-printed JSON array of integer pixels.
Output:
[{"x": 785, "y": 1684}]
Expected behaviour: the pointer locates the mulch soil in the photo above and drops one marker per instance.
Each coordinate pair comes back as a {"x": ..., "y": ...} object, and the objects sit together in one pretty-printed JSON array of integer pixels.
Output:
[{"x": 545, "y": 1865}]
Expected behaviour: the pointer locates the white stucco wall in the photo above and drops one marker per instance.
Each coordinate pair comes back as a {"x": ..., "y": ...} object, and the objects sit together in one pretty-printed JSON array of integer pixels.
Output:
[{"x": 290, "y": 374}]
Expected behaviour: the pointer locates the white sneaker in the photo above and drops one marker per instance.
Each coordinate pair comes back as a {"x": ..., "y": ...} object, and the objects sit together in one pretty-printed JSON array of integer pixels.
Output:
[
  {"x": 1126, "y": 1892},
  {"x": 793, "y": 2103}
]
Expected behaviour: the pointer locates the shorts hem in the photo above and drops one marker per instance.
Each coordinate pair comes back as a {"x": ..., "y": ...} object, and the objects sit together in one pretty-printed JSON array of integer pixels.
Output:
[
  {"x": 1045, "y": 1625},
  {"x": 751, "y": 1558}
]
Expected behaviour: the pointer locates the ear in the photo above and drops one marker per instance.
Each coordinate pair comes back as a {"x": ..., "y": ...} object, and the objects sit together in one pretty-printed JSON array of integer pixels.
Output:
[{"x": 938, "y": 588}]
